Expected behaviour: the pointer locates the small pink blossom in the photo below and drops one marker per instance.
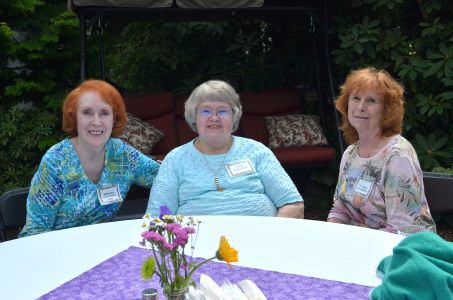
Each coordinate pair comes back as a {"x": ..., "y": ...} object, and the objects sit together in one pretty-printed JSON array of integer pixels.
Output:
[
  {"x": 189, "y": 230},
  {"x": 154, "y": 236},
  {"x": 173, "y": 226},
  {"x": 181, "y": 241},
  {"x": 169, "y": 246}
]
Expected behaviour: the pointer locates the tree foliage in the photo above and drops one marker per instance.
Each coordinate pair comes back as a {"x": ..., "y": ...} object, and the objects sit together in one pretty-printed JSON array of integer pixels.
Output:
[
  {"x": 38, "y": 64},
  {"x": 251, "y": 54},
  {"x": 413, "y": 40}
]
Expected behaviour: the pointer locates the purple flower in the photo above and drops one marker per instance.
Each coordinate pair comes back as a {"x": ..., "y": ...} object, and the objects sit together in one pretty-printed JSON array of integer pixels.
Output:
[
  {"x": 189, "y": 230},
  {"x": 154, "y": 236},
  {"x": 164, "y": 210},
  {"x": 172, "y": 227},
  {"x": 169, "y": 246},
  {"x": 181, "y": 241},
  {"x": 181, "y": 237}
]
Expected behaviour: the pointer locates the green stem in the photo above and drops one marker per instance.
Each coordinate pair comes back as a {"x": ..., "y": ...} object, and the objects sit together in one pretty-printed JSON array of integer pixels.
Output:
[{"x": 199, "y": 265}]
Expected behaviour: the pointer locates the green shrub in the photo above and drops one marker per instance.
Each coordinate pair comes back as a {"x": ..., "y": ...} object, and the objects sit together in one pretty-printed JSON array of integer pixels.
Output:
[
  {"x": 177, "y": 56},
  {"x": 39, "y": 63},
  {"x": 443, "y": 170},
  {"x": 413, "y": 40}
]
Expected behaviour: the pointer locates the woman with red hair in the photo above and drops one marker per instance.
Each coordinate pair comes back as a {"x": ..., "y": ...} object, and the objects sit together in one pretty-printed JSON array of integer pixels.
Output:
[
  {"x": 380, "y": 184},
  {"x": 83, "y": 179}
]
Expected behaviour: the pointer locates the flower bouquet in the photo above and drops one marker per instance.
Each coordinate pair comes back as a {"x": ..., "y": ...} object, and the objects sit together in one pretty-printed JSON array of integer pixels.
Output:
[{"x": 168, "y": 236}]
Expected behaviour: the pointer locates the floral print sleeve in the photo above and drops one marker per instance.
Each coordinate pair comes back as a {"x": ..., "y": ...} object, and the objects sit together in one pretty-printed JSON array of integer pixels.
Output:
[
  {"x": 383, "y": 191},
  {"x": 405, "y": 201}
]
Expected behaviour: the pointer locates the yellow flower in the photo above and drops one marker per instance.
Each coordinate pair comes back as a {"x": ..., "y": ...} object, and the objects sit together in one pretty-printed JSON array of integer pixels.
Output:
[
  {"x": 148, "y": 268},
  {"x": 226, "y": 252}
]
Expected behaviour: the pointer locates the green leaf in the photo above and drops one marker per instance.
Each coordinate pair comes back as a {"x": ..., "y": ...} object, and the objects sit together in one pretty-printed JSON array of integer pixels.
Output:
[
  {"x": 434, "y": 68},
  {"x": 443, "y": 48},
  {"x": 358, "y": 48},
  {"x": 439, "y": 143},
  {"x": 444, "y": 154},
  {"x": 446, "y": 95},
  {"x": 421, "y": 142}
]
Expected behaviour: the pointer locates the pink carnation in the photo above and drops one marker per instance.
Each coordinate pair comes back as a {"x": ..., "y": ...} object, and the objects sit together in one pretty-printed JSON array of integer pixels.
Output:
[
  {"x": 189, "y": 230},
  {"x": 151, "y": 235},
  {"x": 181, "y": 237},
  {"x": 173, "y": 226},
  {"x": 169, "y": 246}
]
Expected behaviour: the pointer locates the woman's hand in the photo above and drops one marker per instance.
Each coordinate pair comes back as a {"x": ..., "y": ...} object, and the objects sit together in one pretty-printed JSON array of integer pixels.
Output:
[{"x": 292, "y": 210}]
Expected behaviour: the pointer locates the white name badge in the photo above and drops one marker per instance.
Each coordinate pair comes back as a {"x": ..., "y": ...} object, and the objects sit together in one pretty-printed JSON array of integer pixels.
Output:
[
  {"x": 363, "y": 187},
  {"x": 240, "y": 167},
  {"x": 109, "y": 194}
]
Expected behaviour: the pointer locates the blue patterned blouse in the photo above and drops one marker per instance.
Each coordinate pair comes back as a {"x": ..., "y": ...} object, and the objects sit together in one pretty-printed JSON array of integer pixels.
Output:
[{"x": 62, "y": 196}]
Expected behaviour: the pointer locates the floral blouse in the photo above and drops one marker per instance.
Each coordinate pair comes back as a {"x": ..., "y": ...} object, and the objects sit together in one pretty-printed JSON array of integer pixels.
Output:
[
  {"x": 62, "y": 196},
  {"x": 382, "y": 191}
]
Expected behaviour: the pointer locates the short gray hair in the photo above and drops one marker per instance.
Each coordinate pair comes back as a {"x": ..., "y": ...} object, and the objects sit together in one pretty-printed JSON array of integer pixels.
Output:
[{"x": 212, "y": 90}]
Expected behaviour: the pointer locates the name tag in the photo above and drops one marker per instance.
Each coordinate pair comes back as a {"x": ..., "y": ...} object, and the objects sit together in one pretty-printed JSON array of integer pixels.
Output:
[
  {"x": 363, "y": 187},
  {"x": 109, "y": 194},
  {"x": 240, "y": 167}
]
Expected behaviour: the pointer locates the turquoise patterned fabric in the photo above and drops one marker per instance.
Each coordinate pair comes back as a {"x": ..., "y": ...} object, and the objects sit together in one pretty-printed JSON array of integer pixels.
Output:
[
  {"x": 185, "y": 182},
  {"x": 397, "y": 195},
  {"x": 62, "y": 196}
]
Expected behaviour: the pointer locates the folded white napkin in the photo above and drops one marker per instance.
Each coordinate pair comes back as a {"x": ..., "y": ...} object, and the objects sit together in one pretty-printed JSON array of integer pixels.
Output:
[
  {"x": 208, "y": 289},
  {"x": 251, "y": 290}
]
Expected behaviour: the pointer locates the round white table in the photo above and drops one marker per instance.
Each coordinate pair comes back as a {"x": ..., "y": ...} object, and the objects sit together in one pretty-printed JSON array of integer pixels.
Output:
[{"x": 35, "y": 265}]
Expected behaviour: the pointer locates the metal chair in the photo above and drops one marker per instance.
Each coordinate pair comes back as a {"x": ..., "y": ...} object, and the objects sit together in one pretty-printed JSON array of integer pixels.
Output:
[
  {"x": 439, "y": 191},
  {"x": 134, "y": 206},
  {"x": 12, "y": 210}
]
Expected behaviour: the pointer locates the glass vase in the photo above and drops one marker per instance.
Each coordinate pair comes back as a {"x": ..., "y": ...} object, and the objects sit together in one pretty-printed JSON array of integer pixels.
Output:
[{"x": 178, "y": 294}]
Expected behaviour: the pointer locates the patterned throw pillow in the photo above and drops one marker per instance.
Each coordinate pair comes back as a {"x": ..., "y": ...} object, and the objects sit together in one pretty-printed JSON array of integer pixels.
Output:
[
  {"x": 294, "y": 130},
  {"x": 141, "y": 135}
]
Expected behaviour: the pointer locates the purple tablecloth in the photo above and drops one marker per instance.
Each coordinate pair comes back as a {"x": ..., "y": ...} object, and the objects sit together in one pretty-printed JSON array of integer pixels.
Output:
[{"x": 119, "y": 277}]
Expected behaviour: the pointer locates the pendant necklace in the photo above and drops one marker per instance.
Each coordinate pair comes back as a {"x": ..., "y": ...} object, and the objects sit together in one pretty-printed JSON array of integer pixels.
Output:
[{"x": 215, "y": 172}]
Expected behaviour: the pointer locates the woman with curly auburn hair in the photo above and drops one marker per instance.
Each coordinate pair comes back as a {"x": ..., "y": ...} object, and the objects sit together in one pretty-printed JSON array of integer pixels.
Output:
[
  {"x": 380, "y": 184},
  {"x": 83, "y": 179}
]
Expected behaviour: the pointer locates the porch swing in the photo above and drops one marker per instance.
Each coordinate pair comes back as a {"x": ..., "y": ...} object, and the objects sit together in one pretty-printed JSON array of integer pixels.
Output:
[{"x": 93, "y": 14}]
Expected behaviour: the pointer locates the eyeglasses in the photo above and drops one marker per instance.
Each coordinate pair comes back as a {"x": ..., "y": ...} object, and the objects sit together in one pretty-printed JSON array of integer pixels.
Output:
[{"x": 221, "y": 112}]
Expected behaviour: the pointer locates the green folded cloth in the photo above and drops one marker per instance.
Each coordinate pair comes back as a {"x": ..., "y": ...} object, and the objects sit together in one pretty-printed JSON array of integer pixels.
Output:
[{"x": 421, "y": 267}]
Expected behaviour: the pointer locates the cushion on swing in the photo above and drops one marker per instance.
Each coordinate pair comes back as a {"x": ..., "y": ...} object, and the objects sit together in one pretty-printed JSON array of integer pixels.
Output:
[
  {"x": 141, "y": 135},
  {"x": 295, "y": 130}
]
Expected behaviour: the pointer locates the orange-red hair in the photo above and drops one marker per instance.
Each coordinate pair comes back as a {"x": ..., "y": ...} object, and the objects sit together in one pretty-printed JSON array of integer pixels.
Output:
[
  {"x": 108, "y": 93},
  {"x": 390, "y": 91}
]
